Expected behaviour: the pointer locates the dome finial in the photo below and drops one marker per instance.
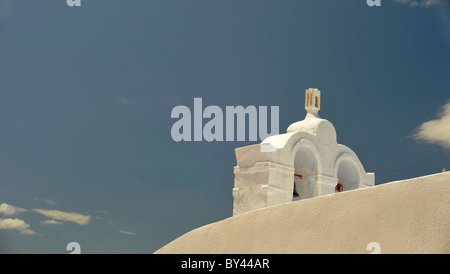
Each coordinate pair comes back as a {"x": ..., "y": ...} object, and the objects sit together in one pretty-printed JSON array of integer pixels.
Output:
[{"x": 312, "y": 101}]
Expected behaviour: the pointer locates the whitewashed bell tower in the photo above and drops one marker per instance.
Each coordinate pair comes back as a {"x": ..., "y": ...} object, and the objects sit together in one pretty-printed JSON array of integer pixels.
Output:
[{"x": 305, "y": 162}]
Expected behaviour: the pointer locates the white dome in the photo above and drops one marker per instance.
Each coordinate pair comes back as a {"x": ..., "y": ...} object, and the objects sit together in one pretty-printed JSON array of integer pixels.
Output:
[{"x": 319, "y": 127}]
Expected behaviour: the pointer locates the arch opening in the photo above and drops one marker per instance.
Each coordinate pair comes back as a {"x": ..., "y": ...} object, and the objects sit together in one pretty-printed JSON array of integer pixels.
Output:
[
  {"x": 347, "y": 175},
  {"x": 305, "y": 177}
]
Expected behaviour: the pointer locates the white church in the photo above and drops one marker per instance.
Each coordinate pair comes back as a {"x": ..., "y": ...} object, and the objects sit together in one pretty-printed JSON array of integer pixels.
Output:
[{"x": 304, "y": 162}]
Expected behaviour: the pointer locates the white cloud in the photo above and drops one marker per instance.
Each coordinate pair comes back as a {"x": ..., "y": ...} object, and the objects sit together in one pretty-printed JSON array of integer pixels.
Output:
[
  {"x": 65, "y": 216},
  {"x": 127, "y": 232},
  {"x": 16, "y": 224},
  {"x": 9, "y": 210},
  {"x": 421, "y": 3},
  {"x": 428, "y": 3},
  {"x": 51, "y": 222},
  {"x": 436, "y": 131}
]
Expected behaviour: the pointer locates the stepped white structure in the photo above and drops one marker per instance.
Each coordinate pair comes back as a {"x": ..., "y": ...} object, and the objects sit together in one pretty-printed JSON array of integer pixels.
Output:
[{"x": 302, "y": 163}]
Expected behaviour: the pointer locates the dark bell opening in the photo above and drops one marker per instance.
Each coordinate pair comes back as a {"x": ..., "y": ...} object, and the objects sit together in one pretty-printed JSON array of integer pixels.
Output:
[{"x": 295, "y": 194}]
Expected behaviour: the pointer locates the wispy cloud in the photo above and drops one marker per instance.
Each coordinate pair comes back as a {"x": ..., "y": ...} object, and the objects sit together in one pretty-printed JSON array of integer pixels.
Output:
[
  {"x": 436, "y": 131},
  {"x": 48, "y": 202},
  {"x": 127, "y": 232},
  {"x": 9, "y": 210},
  {"x": 65, "y": 216},
  {"x": 421, "y": 3},
  {"x": 121, "y": 100},
  {"x": 16, "y": 224},
  {"x": 51, "y": 222},
  {"x": 102, "y": 211}
]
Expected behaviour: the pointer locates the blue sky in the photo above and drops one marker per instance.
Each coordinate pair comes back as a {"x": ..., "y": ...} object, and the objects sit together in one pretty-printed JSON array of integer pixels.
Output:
[{"x": 86, "y": 95}]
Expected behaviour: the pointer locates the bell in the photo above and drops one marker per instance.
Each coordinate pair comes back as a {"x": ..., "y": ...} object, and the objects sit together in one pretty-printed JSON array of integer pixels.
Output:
[
  {"x": 295, "y": 194},
  {"x": 339, "y": 187}
]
